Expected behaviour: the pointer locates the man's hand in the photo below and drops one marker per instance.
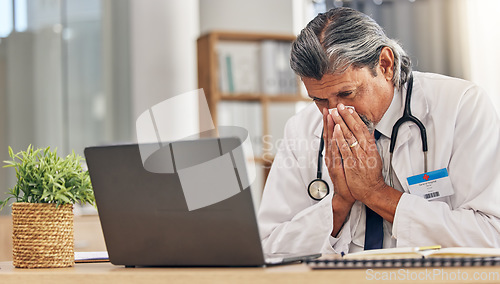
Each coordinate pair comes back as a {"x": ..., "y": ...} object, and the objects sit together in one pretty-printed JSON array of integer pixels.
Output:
[
  {"x": 333, "y": 161},
  {"x": 361, "y": 164},
  {"x": 342, "y": 200}
]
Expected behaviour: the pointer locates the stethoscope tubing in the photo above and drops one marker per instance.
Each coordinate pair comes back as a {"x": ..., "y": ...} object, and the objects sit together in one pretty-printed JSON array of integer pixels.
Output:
[{"x": 408, "y": 117}]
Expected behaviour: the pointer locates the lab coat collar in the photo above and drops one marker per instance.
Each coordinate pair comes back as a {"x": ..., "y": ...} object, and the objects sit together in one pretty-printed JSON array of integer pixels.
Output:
[
  {"x": 391, "y": 115},
  {"x": 419, "y": 109},
  {"x": 319, "y": 127}
]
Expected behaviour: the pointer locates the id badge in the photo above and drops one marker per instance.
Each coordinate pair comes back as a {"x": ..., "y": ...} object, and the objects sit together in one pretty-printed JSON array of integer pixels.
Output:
[{"x": 431, "y": 185}]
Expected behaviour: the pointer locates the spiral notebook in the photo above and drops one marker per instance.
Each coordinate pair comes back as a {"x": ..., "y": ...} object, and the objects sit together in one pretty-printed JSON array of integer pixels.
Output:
[{"x": 410, "y": 257}]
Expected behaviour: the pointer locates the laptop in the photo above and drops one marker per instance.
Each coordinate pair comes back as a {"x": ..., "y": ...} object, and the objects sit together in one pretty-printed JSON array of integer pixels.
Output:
[{"x": 150, "y": 215}]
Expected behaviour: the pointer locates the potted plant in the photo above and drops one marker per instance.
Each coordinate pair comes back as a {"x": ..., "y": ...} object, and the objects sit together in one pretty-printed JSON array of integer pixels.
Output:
[{"x": 46, "y": 189}]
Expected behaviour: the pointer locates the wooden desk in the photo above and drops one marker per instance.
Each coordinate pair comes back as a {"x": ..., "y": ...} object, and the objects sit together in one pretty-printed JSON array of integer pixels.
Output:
[{"x": 96, "y": 273}]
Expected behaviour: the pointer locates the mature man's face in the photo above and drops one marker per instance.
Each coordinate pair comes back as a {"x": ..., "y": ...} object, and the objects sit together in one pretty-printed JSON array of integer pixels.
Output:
[{"x": 370, "y": 96}]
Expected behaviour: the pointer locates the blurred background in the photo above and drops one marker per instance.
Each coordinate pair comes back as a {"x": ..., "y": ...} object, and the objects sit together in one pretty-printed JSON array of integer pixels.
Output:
[{"x": 76, "y": 73}]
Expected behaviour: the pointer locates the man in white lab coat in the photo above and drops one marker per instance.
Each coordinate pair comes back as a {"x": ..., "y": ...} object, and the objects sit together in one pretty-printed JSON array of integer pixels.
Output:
[{"x": 344, "y": 59}]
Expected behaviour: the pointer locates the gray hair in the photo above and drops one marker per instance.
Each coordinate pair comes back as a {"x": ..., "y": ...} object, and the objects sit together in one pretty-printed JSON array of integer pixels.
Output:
[{"x": 344, "y": 37}]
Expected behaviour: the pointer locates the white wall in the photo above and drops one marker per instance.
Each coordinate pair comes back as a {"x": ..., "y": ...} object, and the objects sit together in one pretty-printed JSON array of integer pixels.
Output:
[
  {"x": 163, "y": 50},
  {"x": 275, "y": 16}
]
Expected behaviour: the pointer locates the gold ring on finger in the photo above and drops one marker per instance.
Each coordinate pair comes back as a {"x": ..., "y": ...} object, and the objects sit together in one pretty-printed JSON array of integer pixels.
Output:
[{"x": 353, "y": 144}]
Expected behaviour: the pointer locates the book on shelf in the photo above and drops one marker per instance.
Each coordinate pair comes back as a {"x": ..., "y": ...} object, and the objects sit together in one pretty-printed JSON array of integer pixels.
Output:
[
  {"x": 281, "y": 113},
  {"x": 246, "y": 115},
  {"x": 238, "y": 67},
  {"x": 269, "y": 75},
  {"x": 411, "y": 257},
  {"x": 276, "y": 75},
  {"x": 255, "y": 67},
  {"x": 288, "y": 79}
]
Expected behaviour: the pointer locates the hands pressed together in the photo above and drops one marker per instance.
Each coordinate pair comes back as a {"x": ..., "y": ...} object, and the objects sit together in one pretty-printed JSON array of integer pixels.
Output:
[{"x": 354, "y": 165}]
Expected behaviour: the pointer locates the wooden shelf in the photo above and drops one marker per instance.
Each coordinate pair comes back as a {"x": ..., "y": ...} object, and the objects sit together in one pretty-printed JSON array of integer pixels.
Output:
[
  {"x": 261, "y": 96},
  {"x": 243, "y": 36},
  {"x": 208, "y": 79}
]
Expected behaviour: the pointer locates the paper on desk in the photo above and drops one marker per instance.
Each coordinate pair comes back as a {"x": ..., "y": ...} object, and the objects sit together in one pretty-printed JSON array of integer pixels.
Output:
[{"x": 91, "y": 256}]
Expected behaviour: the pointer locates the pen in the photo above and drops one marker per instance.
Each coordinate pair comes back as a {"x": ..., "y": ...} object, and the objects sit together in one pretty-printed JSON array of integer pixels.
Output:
[{"x": 428, "y": 248}]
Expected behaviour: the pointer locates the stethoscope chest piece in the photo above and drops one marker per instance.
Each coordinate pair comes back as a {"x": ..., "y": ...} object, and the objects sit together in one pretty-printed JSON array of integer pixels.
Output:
[{"x": 318, "y": 189}]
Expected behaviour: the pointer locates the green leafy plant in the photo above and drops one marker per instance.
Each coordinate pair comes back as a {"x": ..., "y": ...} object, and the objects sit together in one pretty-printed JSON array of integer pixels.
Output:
[{"x": 43, "y": 177}]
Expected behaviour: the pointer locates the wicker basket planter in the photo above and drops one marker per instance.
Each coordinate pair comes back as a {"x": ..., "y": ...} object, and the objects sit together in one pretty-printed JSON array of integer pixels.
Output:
[{"x": 42, "y": 235}]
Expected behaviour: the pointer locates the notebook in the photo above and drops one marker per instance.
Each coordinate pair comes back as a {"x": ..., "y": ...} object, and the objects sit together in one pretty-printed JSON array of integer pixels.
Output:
[
  {"x": 434, "y": 256},
  {"x": 167, "y": 217}
]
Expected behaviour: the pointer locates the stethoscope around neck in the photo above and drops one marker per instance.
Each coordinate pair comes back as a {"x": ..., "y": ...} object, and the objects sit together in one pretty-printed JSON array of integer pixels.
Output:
[{"x": 319, "y": 189}]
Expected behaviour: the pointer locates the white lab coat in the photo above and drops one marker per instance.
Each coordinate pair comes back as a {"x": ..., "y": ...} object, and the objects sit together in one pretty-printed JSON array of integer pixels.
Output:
[{"x": 463, "y": 132}]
